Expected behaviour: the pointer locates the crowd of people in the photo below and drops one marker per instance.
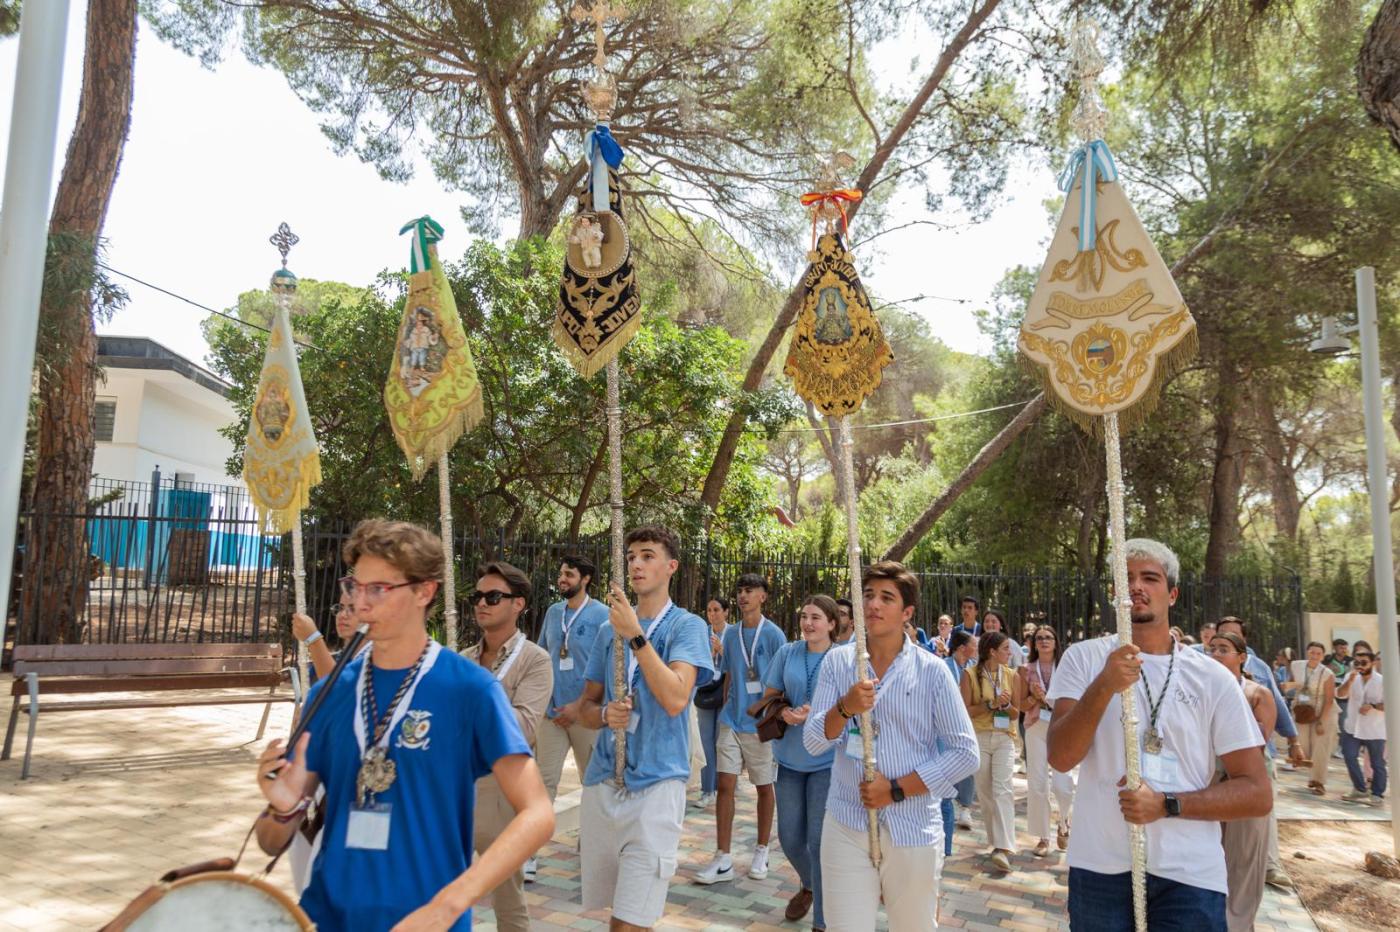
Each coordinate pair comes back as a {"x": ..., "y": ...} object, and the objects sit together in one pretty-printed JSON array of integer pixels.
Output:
[{"x": 378, "y": 806}]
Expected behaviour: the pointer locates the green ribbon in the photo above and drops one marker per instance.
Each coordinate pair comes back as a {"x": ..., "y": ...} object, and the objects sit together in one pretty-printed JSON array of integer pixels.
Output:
[{"x": 426, "y": 232}]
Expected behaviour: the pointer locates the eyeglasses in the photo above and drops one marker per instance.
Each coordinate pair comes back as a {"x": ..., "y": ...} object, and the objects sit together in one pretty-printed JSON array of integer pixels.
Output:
[
  {"x": 374, "y": 592},
  {"x": 1223, "y": 651},
  {"x": 489, "y": 596},
  {"x": 1045, "y": 637},
  {"x": 342, "y": 609},
  {"x": 1366, "y": 657}
]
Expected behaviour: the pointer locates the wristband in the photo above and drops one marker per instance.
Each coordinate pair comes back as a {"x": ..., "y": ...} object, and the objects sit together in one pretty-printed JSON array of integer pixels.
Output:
[
  {"x": 315, "y": 636},
  {"x": 283, "y": 818},
  {"x": 841, "y": 708}
]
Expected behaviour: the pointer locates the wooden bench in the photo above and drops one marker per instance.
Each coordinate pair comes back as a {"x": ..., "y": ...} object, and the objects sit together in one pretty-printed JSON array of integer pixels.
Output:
[{"x": 107, "y": 668}]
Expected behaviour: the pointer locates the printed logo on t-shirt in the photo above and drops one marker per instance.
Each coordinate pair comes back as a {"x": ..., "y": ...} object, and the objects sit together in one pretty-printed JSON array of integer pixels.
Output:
[{"x": 413, "y": 733}]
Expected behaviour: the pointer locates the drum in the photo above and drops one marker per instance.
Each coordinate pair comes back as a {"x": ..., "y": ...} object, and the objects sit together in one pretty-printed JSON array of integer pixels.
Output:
[{"x": 211, "y": 898}]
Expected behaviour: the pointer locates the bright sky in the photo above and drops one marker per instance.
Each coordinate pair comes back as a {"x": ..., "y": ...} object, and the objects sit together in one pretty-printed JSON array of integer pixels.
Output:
[{"x": 216, "y": 159}]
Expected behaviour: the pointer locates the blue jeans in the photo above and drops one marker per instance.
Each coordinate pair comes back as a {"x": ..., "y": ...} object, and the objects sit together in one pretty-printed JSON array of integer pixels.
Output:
[
  {"x": 801, "y": 807},
  {"x": 967, "y": 790},
  {"x": 1104, "y": 903},
  {"x": 946, "y": 810},
  {"x": 1375, "y": 750},
  {"x": 708, "y": 720}
]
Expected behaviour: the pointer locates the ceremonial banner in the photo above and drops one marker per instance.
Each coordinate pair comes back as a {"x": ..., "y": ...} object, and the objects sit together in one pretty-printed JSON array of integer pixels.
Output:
[
  {"x": 838, "y": 351},
  {"x": 599, "y": 310},
  {"x": 281, "y": 461},
  {"x": 1106, "y": 325},
  {"x": 432, "y": 396}
]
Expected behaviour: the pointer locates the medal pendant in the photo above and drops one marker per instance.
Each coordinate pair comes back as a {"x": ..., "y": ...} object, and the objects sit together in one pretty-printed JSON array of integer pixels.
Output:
[
  {"x": 563, "y": 652},
  {"x": 1153, "y": 742},
  {"x": 752, "y": 675},
  {"x": 376, "y": 774}
]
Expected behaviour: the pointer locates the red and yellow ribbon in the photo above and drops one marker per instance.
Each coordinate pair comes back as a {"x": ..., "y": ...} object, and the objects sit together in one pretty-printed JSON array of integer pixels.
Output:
[{"x": 840, "y": 198}]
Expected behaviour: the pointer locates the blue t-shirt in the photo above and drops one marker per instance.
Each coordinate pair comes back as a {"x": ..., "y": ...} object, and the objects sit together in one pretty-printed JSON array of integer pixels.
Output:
[
  {"x": 794, "y": 670},
  {"x": 659, "y": 749},
  {"x": 583, "y": 631},
  {"x": 458, "y": 724},
  {"x": 763, "y": 644}
]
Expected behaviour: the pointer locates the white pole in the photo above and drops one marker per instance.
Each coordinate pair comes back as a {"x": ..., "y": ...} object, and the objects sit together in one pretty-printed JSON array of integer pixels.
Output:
[
  {"x": 24, "y": 226},
  {"x": 1382, "y": 555}
]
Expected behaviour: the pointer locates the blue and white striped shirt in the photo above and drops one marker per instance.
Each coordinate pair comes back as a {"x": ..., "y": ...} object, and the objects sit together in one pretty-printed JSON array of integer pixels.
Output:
[{"x": 922, "y": 726}]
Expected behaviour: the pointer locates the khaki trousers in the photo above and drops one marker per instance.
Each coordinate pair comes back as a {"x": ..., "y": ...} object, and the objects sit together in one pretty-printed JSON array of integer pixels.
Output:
[
  {"x": 1246, "y": 844},
  {"x": 997, "y": 762},
  {"x": 493, "y": 813},
  {"x": 1319, "y": 748},
  {"x": 852, "y": 887},
  {"x": 552, "y": 745}
]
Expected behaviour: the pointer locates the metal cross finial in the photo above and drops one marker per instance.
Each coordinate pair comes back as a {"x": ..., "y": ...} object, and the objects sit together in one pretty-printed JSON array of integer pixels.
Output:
[
  {"x": 1090, "y": 116},
  {"x": 599, "y": 12},
  {"x": 284, "y": 239}
]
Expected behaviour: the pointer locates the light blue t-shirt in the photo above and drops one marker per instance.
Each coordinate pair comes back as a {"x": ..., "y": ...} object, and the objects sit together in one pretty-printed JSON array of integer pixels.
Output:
[
  {"x": 659, "y": 748},
  {"x": 794, "y": 671},
  {"x": 739, "y": 643},
  {"x": 457, "y": 726},
  {"x": 583, "y": 631}
]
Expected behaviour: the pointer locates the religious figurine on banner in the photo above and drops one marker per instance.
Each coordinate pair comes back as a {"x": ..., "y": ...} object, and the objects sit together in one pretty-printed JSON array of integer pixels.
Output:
[
  {"x": 838, "y": 352},
  {"x": 432, "y": 394},
  {"x": 599, "y": 309}
]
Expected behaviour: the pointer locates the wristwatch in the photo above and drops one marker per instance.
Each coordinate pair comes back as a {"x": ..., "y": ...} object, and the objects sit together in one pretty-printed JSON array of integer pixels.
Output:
[
  {"x": 638, "y": 642},
  {"x": 1173, "y": 805},
  {"x": 896, "y": 793}
]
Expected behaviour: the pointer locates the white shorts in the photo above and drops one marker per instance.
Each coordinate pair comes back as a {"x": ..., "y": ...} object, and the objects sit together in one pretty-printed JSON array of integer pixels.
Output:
[
  {"x": 628, "y": 842},
  {"x": 738, "y": 752}
]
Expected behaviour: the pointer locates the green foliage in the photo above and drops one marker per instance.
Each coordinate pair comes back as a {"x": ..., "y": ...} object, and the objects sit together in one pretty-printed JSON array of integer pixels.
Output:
[
  {"x": 9, "y": 17},
  {"x": 537, "y": 463}
]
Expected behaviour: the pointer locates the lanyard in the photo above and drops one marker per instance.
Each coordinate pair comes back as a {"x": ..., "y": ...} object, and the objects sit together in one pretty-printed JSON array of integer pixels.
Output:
[
  {"x": 750, "y": 654},
  {"x": 568, "y": 623},
  {"x": 398, "y": 706},
  {"x": 811, "y": 670},
  {"x": 995, "y": 687},
  {"x": 1040, "y": 674},
  {"x": 651, "y": 629},
  {"x": 507, "y": 659},
  {"x": 1155, "y": 707}
]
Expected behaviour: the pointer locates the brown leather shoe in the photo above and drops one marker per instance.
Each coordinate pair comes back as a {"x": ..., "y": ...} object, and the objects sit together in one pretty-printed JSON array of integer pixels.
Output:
[{"x": 797, "y": 906}]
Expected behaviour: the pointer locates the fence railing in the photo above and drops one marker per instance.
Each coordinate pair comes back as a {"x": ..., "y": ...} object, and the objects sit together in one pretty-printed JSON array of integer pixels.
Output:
[{"x": 169, "y": 568}]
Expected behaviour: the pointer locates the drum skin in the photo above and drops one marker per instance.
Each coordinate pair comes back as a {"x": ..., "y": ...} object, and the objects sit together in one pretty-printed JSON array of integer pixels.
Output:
[{"x": 217, "y": 901}]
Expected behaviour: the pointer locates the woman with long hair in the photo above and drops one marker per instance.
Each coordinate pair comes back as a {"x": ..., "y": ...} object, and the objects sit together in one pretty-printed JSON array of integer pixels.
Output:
[
  {"x": 1246, "y": 841},
  {"x": 994, "y": 695},
  {"x": 1041, "y": 779},
  {"x": 803, "y": 780},
  {"x": 708, "y": 700}
]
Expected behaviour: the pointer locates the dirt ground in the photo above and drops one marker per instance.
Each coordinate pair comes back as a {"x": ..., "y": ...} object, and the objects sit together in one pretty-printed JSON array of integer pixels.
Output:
[{"x": 1325, "y": 861}]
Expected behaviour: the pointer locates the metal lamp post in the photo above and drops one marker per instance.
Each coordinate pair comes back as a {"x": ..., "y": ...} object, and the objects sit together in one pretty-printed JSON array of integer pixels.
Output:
[{"x": 1333, "y": 342}]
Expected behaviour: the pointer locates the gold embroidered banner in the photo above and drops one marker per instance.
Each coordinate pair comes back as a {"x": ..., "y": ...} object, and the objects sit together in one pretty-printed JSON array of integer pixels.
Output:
[
  {"x": 599, "y": 310},
  {"x": 281, "y": 461},
  {"x": 838, "y": 351},
  {"x": 1106, "y": 325},
  {"x": 432, "y": 395}
]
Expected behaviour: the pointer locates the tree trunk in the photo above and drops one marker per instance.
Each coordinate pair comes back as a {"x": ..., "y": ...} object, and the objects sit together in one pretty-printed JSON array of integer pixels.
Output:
[
  {"x": 753, "y": 379},
  {"x": 1226, "y": 479},
  {"x": 984, "y": 458},
  {"x": 1091, "y": 495},
  {"x": 586, "y": 493},
  {"x": 1283, "y": 485},
  {"x": 1378, "y": 69},
  {"x": 56, "y": 562}
]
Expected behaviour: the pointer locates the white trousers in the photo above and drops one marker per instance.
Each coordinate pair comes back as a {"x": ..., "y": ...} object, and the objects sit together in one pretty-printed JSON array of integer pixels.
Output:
[
  {"x": 995, "y": 794},
  {"x": 552, "y": 745},
  {"x": 1041, "y": 780},
  {"x": 851, "y": 888}
]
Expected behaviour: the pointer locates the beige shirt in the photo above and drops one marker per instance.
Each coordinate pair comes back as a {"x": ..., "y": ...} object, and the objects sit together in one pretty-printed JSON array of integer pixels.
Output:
[{"x": 529, "y": 680}]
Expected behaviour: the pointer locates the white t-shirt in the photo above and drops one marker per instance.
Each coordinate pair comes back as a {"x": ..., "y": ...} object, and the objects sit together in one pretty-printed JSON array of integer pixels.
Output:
[
  {"x": 1203, "y": 716},
  {"x": 1371, "y": 726}
]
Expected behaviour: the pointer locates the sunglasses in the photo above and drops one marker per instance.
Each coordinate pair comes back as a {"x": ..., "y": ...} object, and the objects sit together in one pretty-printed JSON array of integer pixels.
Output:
[
  {"x": 1364, "y": 658},
  {"x": 489, "y": 596},
  {"x": 374, "y": 592},
  {"x": 1045, "y": 637}
]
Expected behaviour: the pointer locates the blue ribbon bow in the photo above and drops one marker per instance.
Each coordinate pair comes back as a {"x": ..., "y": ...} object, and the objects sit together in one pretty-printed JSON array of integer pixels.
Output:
[
  {"x": 426, "y": 231},
  {"x": 603, "y": 153},
  {"x": 1090, "y": 163}
]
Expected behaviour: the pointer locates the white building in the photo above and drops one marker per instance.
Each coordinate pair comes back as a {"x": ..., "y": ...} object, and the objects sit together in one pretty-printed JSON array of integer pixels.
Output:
[{"x": 156, "y": 409}]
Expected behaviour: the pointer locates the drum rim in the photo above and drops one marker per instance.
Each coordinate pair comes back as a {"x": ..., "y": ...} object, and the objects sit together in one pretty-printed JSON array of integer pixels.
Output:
[{"x": 249, "y": 880}]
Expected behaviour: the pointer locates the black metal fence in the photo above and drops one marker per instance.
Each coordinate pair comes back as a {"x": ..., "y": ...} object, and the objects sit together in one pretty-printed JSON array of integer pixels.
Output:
[{"x": 187, "y": 564}]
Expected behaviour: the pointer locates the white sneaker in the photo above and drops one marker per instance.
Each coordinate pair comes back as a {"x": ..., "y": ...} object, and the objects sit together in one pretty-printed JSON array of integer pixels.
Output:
[
  {"x": 707, "y": 800},
  {"x": 758, "y": 868},
  {"x": 720, "y": 869},
  {"x": 530, "y": 869},
  {"x": 964, "y": 817}
]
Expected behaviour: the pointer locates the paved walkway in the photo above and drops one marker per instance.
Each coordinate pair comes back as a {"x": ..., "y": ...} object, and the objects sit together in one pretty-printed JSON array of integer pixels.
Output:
[{"x": 118, "y": 798}]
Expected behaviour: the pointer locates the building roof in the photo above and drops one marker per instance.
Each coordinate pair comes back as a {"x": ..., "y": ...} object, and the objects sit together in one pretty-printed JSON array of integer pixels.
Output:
[{"x": 144, "y": 353}]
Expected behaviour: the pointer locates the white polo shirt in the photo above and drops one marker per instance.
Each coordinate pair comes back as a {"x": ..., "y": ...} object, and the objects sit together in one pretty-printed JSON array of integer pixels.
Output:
[
  {"x": 1371, "y": 726},
  {"x": 1203, "y": 715}
]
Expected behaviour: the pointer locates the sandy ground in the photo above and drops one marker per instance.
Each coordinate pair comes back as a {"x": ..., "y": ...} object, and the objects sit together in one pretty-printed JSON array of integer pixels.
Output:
[{"x": 1325, "y": 862}]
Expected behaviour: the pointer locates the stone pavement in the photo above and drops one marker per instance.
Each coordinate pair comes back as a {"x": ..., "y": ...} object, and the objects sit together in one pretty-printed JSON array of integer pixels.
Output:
[{"x": 118, "y": 798}]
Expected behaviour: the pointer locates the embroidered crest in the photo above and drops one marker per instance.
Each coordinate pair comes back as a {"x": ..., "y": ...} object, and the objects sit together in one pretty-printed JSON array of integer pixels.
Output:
[{"x": 413, "y": 732}]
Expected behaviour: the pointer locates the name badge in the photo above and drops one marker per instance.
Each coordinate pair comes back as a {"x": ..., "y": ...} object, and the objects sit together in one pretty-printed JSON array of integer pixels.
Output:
[
  {"x": 1001, "y": 720},
  {"x": 855, "y": 747},
  {"x": 369, "y": 827},
  {"x": 1162, "y": 771},
  {"x": 1046, "y": 715},
  {"x": 566, "y": 664},
  {"x": 633, "y": 721},
  {"x": 754, "y": 687}
]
